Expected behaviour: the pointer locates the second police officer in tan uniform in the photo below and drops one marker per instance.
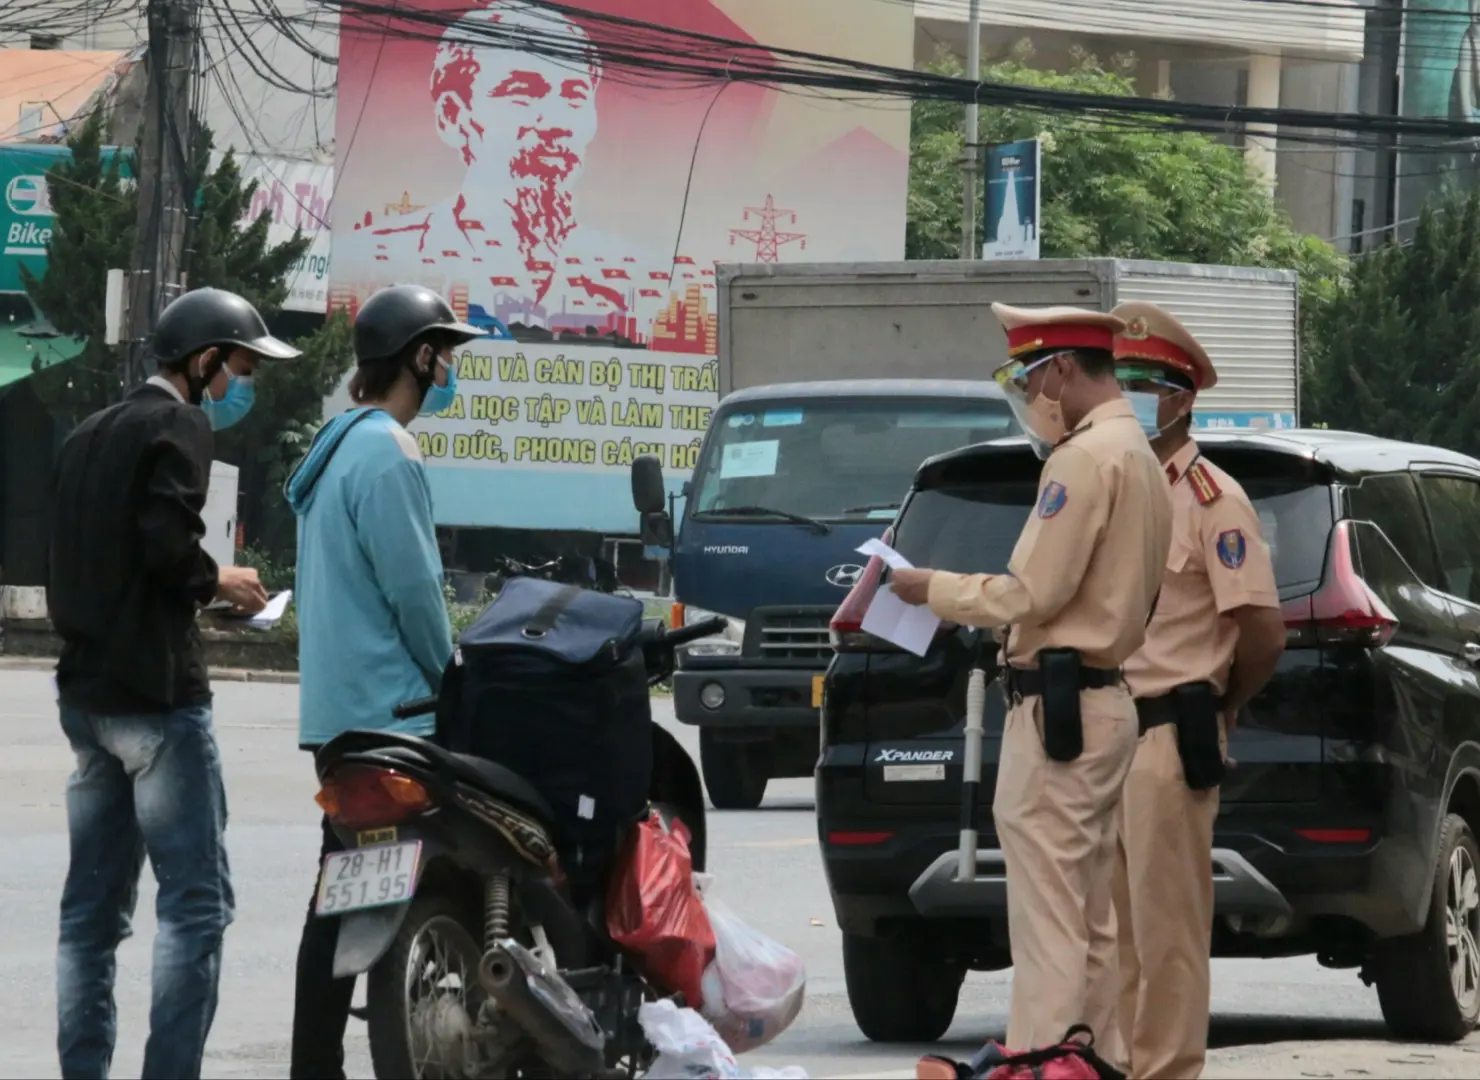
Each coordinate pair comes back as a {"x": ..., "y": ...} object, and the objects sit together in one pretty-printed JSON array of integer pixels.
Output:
[
  {"x": 1076, "y": 595},
  {"x": 1213, "y": 642}
]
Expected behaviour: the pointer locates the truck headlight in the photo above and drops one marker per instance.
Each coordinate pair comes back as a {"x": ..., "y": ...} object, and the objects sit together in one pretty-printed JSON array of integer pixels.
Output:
[{"x": 726, "y": 643}]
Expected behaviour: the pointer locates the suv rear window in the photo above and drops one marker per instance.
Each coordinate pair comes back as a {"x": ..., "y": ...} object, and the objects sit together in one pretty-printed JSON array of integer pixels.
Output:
[{"x": 971, "y": 527}]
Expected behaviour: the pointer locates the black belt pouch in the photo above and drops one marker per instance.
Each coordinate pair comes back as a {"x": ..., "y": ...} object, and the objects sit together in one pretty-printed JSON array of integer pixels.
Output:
[
  {"x": 1063, "y": 724},
  {"x": 1197, "y": 735}
]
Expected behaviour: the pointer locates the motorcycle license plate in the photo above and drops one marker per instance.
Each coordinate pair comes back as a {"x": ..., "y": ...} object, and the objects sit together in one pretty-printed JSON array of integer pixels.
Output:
[{"x": 368, "y": 877}]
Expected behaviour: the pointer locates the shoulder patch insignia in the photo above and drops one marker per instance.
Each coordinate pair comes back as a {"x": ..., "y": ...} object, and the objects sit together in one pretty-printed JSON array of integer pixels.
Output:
[
  {"x": 1052, "y": 500},
  {"x": 1232, "y": 548},
  {"x": 1204, "y": 487}
]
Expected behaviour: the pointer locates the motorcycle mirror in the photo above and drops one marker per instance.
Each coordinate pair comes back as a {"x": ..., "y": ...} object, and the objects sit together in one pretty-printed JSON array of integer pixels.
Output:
[{"x": 648, "y": 493}]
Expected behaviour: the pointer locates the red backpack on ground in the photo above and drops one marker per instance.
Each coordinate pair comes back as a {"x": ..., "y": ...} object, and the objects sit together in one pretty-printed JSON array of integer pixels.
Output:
[{"x": 1070, "y": 1059}]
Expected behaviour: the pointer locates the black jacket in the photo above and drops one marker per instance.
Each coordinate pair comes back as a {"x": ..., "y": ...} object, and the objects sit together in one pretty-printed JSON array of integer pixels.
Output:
[{"x": 127, "y": 571}]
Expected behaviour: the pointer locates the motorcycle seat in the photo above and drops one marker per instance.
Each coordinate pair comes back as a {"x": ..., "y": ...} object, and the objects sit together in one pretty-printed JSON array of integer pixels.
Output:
[{"x": 501, "y": 782}]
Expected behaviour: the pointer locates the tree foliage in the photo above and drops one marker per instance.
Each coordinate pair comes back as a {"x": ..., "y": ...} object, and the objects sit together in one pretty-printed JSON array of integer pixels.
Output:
[
  {"x": 93, "y": 229},
  {"x": 1134, "y": 190},
  {"x": 275, "y": 435},
  {"x": 1401, "y": 337}
]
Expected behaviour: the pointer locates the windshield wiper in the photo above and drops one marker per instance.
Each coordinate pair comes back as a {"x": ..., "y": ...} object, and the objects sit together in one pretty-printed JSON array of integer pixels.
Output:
[
  {"x": 871, "y": 507},
  {"x": 819, "y": 527}
]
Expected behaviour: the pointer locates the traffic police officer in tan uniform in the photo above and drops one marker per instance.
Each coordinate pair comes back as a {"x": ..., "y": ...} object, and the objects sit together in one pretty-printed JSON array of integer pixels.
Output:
[
  {"x": 1213, "y": 642},
  {"x": 1075, "y": 597}
]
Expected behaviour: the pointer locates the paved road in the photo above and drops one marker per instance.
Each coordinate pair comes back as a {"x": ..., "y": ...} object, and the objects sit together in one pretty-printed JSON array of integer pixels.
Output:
[{"x": 766, "y": 861}]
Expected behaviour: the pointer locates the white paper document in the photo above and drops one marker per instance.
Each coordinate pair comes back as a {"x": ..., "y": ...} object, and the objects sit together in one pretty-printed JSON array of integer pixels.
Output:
[
  {"x": 276, "y": 608},
  {"x": 888, "y": 617},
  {"x": 911, "y": 628},
  {"x": 892, "y": 559}
]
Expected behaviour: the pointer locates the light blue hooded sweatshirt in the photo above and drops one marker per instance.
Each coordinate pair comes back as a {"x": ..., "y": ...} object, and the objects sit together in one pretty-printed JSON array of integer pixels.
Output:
[{"x": 372, "y": 619}]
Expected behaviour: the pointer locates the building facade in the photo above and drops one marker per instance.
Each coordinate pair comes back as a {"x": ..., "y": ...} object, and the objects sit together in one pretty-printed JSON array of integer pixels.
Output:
[{"x": 1216, "y": 52}]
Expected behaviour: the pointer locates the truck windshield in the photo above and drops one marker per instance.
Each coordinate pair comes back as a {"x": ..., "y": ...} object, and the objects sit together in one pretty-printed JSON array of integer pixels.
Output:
[{"x": 832, "y": 459}]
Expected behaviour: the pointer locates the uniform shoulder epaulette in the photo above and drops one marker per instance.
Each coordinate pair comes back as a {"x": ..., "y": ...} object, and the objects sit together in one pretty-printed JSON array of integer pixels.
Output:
[
  {"x": 1066, "y": 436},
  {"x": 1204, "y": 487}
]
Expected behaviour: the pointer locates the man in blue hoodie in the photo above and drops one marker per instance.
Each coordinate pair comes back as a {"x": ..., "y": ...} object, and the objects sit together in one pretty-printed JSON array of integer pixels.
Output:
[{"x": 372, "y": 618}]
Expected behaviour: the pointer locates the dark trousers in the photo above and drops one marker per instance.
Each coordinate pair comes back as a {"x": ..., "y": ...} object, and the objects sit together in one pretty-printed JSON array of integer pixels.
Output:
[{"x": 321, "y": 1002}]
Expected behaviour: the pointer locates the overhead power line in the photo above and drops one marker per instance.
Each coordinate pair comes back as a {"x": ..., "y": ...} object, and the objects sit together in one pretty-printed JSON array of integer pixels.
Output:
[{"x": 643, "y": 50}]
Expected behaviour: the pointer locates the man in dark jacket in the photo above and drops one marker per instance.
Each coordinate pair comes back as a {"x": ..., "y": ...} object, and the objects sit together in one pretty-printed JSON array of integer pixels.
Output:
[{"x": 128, "y": 575}]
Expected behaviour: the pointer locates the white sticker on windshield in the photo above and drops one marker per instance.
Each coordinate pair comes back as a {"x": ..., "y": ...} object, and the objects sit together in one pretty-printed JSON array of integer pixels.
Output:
[
  {"x": 749, "y": 459},
  {"x": 741, "y": 420},
  {"x": 781, "y": 418}
]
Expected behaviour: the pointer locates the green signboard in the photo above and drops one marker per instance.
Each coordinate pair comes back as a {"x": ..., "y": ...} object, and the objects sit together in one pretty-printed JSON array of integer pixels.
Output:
[{"x": 25, "y": 229}]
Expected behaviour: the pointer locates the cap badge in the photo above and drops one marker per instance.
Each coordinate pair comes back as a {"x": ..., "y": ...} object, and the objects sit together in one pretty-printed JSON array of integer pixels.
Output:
[{"x": 1137, "y": 329}]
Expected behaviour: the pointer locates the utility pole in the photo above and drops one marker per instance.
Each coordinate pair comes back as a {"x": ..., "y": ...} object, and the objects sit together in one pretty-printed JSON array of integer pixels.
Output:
[
  {"x": 161, "y": 170},
  {"x": 969, "y": 194}
]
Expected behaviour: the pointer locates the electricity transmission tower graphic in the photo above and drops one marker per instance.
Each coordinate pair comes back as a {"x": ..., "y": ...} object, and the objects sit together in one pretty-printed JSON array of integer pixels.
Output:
[{"x": 767, "y": 239}]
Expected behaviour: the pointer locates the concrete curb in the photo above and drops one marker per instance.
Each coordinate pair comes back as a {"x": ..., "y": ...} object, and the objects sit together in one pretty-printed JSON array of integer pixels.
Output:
[{"x": 48, "y": 664}]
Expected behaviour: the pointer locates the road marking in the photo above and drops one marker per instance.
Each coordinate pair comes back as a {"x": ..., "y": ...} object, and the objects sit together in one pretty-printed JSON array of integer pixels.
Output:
[{"x": 787, "y": 842}]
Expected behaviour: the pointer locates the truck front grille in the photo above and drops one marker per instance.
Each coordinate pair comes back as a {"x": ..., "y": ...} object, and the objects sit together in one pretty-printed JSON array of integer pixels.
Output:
[{"x": 795, "y": 636}]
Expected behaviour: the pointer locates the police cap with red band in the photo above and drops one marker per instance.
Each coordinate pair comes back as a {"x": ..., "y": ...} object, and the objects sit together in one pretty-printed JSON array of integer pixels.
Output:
[
  {"x": 1154, "y": 336},
  {"x": 1031, "y": 330}
]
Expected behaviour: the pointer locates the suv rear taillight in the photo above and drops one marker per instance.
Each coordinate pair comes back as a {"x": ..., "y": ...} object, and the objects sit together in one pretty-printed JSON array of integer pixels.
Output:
[
  {"x": 846, "y": 627},
  {"x": 367, "y": 797},
  {"x": 1344, "y": 610}
]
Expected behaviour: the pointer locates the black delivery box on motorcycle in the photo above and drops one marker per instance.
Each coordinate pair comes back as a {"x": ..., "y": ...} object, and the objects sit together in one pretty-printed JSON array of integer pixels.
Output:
[{"x": 549, "y": 681}]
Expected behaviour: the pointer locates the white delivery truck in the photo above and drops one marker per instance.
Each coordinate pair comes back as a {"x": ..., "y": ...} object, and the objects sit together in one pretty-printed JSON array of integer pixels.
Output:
[{"x": 786, "y": 323}]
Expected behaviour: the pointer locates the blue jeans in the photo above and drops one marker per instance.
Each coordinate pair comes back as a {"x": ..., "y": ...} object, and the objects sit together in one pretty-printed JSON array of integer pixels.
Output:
[{"x": 144, "y": 785}]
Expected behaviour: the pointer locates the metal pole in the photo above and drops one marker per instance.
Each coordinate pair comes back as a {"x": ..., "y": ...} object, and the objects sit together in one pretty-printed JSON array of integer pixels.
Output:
[
  {"x": 163, "y": 154},
  {"x": 971, "y": 773},
  {"x": 969, "y": 194}
]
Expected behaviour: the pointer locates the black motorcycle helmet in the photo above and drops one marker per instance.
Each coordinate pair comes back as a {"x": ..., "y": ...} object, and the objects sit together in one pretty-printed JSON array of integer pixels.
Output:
[
  {"x": 202, "y": 318},
  {"x": 398, "y": 314}
]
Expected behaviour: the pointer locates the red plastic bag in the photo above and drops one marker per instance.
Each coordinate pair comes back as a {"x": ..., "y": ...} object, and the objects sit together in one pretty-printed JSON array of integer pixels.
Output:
[{"x": 655, "y": 913}]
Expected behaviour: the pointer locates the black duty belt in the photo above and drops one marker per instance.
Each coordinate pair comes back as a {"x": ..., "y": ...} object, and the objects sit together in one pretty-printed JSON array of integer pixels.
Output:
[
  {"x": 1028, "y": 682},
  {"x": 1156, "y": 711}
]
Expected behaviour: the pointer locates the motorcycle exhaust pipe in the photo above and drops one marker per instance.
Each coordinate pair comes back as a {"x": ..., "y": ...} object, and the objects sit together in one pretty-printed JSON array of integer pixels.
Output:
[{"x": 545, "y": 1007}]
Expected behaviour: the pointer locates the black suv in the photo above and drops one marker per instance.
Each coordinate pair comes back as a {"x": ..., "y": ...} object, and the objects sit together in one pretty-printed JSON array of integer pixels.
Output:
[{"x": 1348, "y": 825}]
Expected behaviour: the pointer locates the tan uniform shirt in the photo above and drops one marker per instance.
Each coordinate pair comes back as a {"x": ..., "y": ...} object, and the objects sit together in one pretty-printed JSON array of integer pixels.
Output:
[
  {"x": 1218, "y": 563},
  {"x": 1090, "y": 559}
]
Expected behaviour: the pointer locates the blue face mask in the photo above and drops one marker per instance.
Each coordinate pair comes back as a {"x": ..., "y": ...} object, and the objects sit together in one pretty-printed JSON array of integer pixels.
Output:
[
  {"x": 1146, "y": 406},
  {"x": 238, "y": 400},
  {"x": 440, "y": 398}
]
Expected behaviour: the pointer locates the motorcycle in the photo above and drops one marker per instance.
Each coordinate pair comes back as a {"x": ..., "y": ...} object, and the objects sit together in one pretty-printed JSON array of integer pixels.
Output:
[
  {"x": 598, "y": 573},
  {"x": 482, "y": 959}
]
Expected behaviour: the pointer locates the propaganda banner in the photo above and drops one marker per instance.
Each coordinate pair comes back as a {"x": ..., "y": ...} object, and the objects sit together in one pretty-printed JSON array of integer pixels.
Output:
[{"x": 574, "y": 206}]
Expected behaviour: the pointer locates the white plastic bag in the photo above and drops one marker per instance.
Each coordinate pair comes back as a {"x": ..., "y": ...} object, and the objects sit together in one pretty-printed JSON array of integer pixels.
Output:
[
  {"x": 754, "y": 989},
  {"x": 690, "y": 1049}
]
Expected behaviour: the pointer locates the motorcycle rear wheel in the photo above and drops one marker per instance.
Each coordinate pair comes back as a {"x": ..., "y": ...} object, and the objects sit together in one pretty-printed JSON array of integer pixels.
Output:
[{"x": 423, "y": 996}]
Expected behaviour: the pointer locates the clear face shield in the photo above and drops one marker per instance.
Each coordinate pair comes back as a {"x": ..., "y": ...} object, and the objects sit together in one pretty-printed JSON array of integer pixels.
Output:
[
  {"x": 1041, "y": 417},
  {"x": 1145, "y": 387}
]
